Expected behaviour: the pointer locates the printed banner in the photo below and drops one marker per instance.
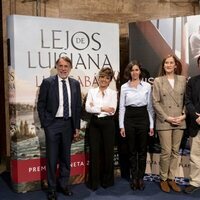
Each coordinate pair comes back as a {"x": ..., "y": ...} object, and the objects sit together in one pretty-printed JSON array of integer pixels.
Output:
[{"x": 35, "y": 44}]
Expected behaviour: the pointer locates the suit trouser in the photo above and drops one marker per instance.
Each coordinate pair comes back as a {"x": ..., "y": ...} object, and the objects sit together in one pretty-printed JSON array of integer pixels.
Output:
[
  {"x": 136, "y": 128},
  {"x": 195, "y": 160},
  {"x": 58, "y": 145},
  {"x": 170, "y": 141},
  {"x": 101, "y": 142}
]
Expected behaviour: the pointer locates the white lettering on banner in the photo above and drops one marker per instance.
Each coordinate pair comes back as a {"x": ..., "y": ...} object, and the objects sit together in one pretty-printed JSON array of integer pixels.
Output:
[
  {"x": 36, "y": 169},
  {"x": 77, "y": 164}
]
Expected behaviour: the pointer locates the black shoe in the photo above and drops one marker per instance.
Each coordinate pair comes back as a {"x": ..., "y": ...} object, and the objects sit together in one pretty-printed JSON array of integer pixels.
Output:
[
  {"x": 93, "y": 188},
  {"x": 191, "y": 189},
  {"x": 134, "y": 184},
  {"x": 141, "y": 185},
  {"x": 51, "y": 195},
  {"x": 103, "y": 185},
  {"x": 66, "y": 191}
]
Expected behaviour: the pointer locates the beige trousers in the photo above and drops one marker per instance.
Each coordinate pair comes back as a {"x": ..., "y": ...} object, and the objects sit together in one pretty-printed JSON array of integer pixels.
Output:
[
  {"x": 195, "y": 160},
  {"x": 170, "y": 141}
]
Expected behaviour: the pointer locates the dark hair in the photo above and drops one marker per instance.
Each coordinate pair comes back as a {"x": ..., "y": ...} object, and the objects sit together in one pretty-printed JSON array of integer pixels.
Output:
[
  {"x": 198, "y": 60},
  {"x": 178, "y": 64},
  {"x": 128, "y": 69},
  {"x": 65, "y": 58},
  {"x": 106, "y": 71}
]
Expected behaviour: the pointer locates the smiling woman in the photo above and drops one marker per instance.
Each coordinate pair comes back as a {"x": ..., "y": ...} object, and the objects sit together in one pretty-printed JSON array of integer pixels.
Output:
[
  {"x": 168, "y": 102},
  {"x": 136, "y": 121},
  {"x": 102, "y": 103}
]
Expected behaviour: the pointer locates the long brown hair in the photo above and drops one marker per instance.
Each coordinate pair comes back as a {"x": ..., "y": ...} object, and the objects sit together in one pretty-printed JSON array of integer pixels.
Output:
[{"x": 178, "y": 64}]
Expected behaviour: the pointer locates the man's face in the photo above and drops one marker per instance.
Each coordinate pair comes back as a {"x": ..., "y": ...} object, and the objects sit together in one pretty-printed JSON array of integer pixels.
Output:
[{"x": 63, "y": 68}]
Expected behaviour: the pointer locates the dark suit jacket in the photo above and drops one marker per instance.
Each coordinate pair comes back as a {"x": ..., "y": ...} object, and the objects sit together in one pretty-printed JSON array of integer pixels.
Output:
[
  {"x": 48, "y": 101},
  {"x": 192, "y": 102}
]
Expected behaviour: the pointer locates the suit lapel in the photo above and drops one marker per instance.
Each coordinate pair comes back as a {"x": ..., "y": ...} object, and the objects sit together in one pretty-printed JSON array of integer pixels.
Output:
[
  {"x": 172, "y": 91},
  {"x": 56, "y": 88},
  {"x": 71, "y": 90}
]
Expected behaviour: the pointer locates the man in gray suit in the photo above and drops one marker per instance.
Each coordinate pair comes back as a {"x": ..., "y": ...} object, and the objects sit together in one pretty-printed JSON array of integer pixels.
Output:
[
  {"x": 192, "y": 102},
  {"x": 59, "y": 108}
]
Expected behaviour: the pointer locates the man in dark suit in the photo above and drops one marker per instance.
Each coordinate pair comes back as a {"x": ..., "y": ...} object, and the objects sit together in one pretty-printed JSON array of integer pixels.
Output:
[
  {"x": 192, "y": 102},
  {"x": 59, "y": 108}
]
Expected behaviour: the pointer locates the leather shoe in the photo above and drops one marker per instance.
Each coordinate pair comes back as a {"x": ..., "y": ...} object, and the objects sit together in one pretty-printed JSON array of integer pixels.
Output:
[
  {"x": 134, "y": 184},
  {"x": 51, "y": 195},
  {"x": 174, "y": 186},
  {"x": 164, "y": 186},
  {"x": 191, "y": 189},
  {"x": 141, "y": 185},
  {"x": 66, "y": 191}
]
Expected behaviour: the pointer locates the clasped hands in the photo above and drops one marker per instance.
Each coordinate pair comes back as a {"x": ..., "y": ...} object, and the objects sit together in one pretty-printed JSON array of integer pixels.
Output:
[{"x": 176, "y": 120}]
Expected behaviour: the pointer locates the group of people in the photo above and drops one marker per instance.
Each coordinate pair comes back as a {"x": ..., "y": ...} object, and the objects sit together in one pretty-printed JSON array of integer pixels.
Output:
[{"x": 166, "y": 102}]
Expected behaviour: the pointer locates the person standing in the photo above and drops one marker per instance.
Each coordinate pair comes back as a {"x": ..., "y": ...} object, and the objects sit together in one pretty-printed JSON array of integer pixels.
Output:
[
  {"x": 168, "y": 102},
  {"x": 192, "y": 102},
  {"x": 136, "y": 121},
  {"x": 101, "y": 102},
  {"x": 59, "y": 108}
]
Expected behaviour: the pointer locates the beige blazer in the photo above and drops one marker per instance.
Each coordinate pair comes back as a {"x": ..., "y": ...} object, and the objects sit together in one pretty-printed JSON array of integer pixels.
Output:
[{"x": 168, "y": 101}]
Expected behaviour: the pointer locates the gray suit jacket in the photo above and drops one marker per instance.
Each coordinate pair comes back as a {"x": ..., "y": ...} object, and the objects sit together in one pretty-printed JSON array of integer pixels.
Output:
[{"x": 168, "y": 101}]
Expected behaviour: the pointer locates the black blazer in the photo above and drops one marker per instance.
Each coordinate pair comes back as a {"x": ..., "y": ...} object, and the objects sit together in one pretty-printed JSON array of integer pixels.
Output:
[
  {"x": 48, "y": 101},
  {"x": 192, "y": 102}
]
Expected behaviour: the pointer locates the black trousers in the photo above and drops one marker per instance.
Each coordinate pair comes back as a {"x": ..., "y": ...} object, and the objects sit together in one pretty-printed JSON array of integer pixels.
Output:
[
  {"x": 58, "y": 145},
  {"x": 101, "y": 143},
  {"x": 136, "y": 128}
]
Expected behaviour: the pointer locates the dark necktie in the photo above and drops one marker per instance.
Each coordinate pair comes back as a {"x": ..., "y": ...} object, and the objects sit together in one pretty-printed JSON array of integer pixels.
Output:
[{"x": 65, "y": 101}]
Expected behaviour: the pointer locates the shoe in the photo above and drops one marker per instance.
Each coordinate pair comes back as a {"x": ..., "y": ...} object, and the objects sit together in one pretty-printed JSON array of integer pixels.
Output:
[
  {"x": 66, "y": 191},
  {"x": 174, "y": 186},
  {"x": 191, "y": 189},
  {"x": 134, "y": 184},
  {"x": 93, "y": 188},
  {"x": 103, "y": 185},
  {"x": 51, "y": 195},
  {"x": 141, "y": 185},
  {"x": 164, "y": 186}
]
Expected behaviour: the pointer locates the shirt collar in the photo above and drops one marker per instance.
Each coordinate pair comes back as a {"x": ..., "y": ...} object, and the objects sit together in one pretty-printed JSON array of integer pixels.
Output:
[
  {"x": 141, "y": 82},
  {"x": 105, "y": 91},
  {"x": 60, "y": 79}
]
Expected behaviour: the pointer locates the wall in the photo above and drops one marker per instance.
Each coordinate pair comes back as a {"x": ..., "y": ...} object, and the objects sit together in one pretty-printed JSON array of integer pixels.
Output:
[{"x": 117, "y": 11}]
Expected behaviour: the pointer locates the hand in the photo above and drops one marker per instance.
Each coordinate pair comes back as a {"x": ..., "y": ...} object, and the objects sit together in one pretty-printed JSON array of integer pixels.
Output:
[
  {"x": 151, "y": 132},
  {"x": 107, "y": 109},
  {"x": 179, "y": 119},
  {"x": 171, "y": 120},
  {"x": 77, "y": 133},
  {"x": 174, "y": 120},
  {"x": 198, "y": 119},
  {"x": 122, "y": 132}
]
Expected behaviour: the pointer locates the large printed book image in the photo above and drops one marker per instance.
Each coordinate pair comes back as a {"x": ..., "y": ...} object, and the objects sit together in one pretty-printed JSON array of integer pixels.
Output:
[{"x": 33, "y": 53}]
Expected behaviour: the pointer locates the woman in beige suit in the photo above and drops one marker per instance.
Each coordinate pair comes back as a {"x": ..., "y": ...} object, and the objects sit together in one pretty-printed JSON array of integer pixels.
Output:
[{"x": 168, "y": 102}]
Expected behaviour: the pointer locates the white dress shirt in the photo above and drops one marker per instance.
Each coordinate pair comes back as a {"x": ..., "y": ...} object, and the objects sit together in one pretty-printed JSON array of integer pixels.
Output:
[
  {"x": 95, "y": 100},
  {"x": 136, "y": 97}
]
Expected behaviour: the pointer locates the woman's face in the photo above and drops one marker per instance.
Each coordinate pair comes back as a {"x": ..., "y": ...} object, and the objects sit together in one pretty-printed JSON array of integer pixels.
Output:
[
  {"x": 169, "y": 65},
  {"x": 135, "y": 72},
  {"x": 104, "y": 81}
]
